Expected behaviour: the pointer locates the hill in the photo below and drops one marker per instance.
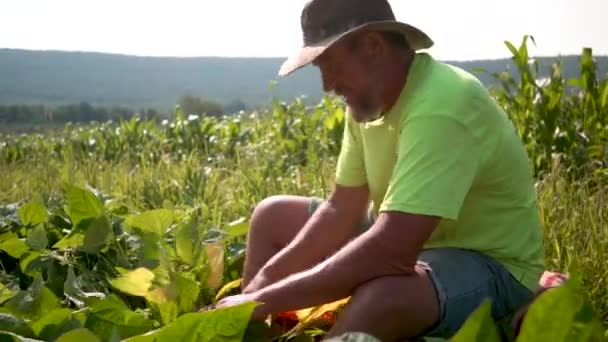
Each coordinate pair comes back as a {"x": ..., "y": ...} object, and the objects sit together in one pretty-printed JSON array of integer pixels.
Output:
[{"x": 56, "y": 77}]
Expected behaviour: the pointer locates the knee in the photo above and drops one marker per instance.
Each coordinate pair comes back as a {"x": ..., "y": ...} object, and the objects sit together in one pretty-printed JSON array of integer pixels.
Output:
[
  {"x": 277, "y": 219},
  {"x": 267, "y": 216},
  {"x": 266, "y": 210}
]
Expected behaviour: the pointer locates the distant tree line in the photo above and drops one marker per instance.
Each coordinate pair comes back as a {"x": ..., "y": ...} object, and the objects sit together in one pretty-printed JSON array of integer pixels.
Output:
[
  {"x": 81, "y": 112},
  {"x": 206, "y": 107},
  {"x": 85, "y": 112}
]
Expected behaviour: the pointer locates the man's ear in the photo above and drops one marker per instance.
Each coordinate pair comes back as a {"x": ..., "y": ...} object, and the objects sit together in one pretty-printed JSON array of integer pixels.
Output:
[{"x": 375, "y": 47}]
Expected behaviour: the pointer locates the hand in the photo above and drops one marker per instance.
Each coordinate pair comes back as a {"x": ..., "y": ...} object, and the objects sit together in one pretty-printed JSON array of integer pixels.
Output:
[
  {"x": 256, "y": 284},
  {"x": 262, "y": 279},
  {"x": 259, "y": 312}
]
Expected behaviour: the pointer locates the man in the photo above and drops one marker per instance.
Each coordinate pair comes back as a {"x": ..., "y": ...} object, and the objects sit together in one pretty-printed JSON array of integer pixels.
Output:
[{"x": 454, "y": 218}]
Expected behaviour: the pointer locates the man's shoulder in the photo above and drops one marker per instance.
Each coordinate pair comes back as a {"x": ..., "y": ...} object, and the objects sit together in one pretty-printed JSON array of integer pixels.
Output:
[
  {"x": 449, "y": 81},
  {"x": 446, "y": 71},
  {"x": 442, "y": 88}
]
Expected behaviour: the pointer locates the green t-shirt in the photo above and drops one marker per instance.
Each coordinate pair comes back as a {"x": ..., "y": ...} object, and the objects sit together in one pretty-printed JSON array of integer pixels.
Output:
[{"x": 447, "y": 149}]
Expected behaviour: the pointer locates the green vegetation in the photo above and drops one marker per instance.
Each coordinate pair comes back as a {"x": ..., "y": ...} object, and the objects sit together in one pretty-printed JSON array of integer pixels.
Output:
[{"x": 151, "y": 216}]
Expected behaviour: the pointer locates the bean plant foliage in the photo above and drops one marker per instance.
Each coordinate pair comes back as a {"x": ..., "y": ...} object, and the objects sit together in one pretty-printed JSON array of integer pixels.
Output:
[
  {"x": 131, "y": 231},
  {"x": 90, "y": 265},
  {"x": 93, "y": 270}
]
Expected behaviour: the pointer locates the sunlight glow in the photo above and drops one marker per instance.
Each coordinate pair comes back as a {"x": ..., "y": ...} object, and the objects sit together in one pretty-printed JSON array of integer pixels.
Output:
[{"x": 468, "y": 29}]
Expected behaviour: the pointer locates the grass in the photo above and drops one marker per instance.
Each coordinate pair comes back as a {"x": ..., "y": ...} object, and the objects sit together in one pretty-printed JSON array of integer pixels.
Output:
[
  {"x": 574, "y": 213},
  {"x": 575, "y": 222}
]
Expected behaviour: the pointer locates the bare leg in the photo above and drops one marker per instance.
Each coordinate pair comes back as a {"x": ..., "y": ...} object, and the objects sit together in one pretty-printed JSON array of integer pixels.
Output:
[
  {"x": 391, "y": 308},
  {"x": 274, "y": 223}
]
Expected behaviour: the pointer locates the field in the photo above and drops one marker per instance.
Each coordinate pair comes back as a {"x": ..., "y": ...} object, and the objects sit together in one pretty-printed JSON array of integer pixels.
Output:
[{"x": 123, "y": 230}]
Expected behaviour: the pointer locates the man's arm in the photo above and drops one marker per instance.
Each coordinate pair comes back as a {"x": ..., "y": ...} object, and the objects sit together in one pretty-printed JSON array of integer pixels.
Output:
[
  {"x": 437, "y": 164},
  {"x": 329, "y": 228},
  {"x": 390, "y": 247}
]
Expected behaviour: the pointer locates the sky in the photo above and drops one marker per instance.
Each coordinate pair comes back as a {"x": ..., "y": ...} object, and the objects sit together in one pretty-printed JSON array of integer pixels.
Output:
[{"x": 461, "y": 30}]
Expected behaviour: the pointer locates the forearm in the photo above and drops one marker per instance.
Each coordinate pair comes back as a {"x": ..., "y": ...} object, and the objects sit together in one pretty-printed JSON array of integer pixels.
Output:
[
  {"x": 328, "y": 229},
  {"x": 361, "y": 260},
  {"x": 387, "y": 249}
]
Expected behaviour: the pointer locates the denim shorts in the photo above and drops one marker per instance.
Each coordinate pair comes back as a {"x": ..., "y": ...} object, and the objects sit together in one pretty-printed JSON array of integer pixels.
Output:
[{"x": 463, "y": 279}]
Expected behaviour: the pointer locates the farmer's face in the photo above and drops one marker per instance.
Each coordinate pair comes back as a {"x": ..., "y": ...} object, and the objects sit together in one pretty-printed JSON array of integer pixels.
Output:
[{"x": 350, "y": 70}]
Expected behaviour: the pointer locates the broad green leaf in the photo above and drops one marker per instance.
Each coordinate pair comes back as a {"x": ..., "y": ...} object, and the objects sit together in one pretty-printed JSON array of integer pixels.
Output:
[
  {"x": 168, "y": 311},
  {"x": 225, "y": 324},
  {"x": 59, "y": 221},
  {"x": 116, "y": 207},
  {"x": 79, "y": 335},
  {"x": 12, "y": 324},
  {"x": 8, "y": 236},
  {"x": 6, "y": 336},
  {"x": 97, "y": 235},
  {"x": 33, "y": 303},
  {"x": 5, "y": 294},
  {"x": 72, "y": 240},
  {"x": 82, "y": 204},
  {"x": 27, "y": 261},
  {"x": 151, "y": 249},
  {"x": 564, "y": 315},
  {"x": 237, "y": 228},
  {"x": 187, "y": 290},
  {"x": 54, "y": 324},
  {"x": 136, "y": 283},
  {"x": 37, "y": 239},
  {"x": 111, "y": 314},
  {"x": 161, "y": 295},
  {"x": 32, "y": 214},
  {"x": 162, "y": 273},
  {"x": 14, "y": 247},
  {"x": 185, "y": 238},
  {"x": 155, "y": 221},
  {"x": 54, "y": 317},
  {"x": 479, "y": 326},
  {"x": 150, "y": 336},
  {"x": 56, "y": 273}
]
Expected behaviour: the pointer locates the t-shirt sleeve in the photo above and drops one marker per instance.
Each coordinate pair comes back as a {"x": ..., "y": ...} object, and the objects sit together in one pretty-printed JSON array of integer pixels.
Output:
[
  {"x": 436, "y": 166},
  {"x": 350, "y": 169}
]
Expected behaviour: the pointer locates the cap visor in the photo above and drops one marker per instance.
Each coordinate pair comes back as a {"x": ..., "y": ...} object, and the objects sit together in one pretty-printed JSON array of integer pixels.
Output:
[
  {"x": 306, "y": 55},
  {"x": 416, "y": 38}
]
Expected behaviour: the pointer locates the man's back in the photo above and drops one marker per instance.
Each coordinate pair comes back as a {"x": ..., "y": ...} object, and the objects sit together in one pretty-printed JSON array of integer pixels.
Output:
[{"x": 447, "y": 149}]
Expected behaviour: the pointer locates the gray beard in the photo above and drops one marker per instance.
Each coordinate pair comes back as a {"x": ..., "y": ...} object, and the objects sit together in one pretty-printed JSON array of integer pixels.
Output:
[{"x": 366, "y": 113}]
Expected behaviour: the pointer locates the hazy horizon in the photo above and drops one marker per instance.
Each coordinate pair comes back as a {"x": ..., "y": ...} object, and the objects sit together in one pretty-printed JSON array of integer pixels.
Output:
[
  {"x": 467, "y": 30},
  {"x": 595, "y": 53}
]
